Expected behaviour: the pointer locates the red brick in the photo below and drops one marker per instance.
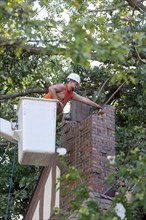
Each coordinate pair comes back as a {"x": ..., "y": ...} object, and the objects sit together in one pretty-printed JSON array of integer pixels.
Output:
[{"x": 88, "y": 144}]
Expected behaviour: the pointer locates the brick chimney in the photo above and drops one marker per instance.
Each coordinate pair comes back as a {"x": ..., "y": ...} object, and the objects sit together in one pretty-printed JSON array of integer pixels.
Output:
[{"x": 89, "y": 140}]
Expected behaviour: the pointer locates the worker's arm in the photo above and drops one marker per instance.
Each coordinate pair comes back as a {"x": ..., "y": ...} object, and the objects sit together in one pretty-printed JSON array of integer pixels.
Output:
[{"x": 85, "y": 100}]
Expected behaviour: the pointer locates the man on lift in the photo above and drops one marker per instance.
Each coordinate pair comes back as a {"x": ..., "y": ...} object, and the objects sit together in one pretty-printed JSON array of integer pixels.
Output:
[{"x": 66, "y": 92}]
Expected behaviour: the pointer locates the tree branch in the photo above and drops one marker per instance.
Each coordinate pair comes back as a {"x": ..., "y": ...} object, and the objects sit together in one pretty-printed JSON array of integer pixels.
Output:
[
  {"x": 137, "y": 4},
  {"x": 49, "y": 50},
  {"x": 24, "y": 93},
  {"x": 49, "y": 41},
  {"x": 101, "y": 89},
  {"x": 138, "y": 55},
  {"x": 106, "y": 9},
  {"x": 114, "y": 93},
  {"x": 14, "y": 44},
  {"x": 123, "y": 106}
]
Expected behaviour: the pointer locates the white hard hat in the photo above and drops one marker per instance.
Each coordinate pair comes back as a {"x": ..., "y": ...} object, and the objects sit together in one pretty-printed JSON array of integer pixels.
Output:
[{"x": 74, "y": 77}]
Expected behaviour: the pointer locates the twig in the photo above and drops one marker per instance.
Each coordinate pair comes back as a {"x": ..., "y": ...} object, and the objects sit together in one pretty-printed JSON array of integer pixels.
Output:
[
  {"x": 124, "y": 106},
  {"x": 114, "y": 93},
  {"x": 139, "y": 56},
  {"x": 101, "y": 89}
]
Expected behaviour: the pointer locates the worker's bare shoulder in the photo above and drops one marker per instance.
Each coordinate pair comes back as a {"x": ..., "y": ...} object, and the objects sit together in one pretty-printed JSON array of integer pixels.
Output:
[{"x": 57, "y": 87}]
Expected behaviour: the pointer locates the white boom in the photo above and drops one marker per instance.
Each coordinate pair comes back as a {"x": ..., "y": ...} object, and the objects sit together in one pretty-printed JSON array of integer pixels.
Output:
[{"x": 6, "y": 130}]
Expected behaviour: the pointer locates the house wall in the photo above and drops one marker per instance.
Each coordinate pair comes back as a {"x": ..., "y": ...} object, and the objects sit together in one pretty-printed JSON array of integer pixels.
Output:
[{"x": 46, "y": 196}]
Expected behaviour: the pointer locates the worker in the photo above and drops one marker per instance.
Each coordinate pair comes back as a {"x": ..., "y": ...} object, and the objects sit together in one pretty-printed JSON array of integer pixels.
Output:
[{"x": 66, "y": 92}]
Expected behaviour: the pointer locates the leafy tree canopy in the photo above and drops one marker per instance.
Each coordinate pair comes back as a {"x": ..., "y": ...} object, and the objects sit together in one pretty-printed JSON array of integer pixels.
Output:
[{"x": 36, "y": 52}]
